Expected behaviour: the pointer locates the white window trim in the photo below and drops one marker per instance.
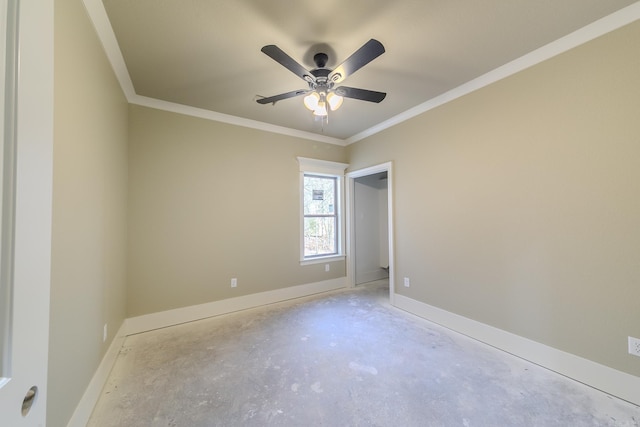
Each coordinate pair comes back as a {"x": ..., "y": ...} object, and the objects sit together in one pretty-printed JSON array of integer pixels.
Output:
[
  {"x": 322, "y": 259},
  {"x": 327, "y": 168}
]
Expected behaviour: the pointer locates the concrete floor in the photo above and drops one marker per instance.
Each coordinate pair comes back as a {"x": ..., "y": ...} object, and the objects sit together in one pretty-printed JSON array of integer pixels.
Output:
[{"x": 344, "y": 358}]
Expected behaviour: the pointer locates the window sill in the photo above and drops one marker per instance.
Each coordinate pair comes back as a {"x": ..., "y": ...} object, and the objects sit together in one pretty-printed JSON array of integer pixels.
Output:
[{"x": 319, "y": 260}]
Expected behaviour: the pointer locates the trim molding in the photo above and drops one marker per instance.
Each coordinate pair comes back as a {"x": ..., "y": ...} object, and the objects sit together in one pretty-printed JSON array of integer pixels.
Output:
[
  {"x": 83, "y": 411},
  {"x": 601, "y": 377},
  {"x": 163, "y": 319},
  {"x": 581, "y": 36},
  {"x": 350, "y": 232},
  {"x": 98, "y": 15},
  {"x": 321, "y": 166},
  {"x": 609, "y": 23},
  {"x": 229, "y": 119},
  {"x": 620, "y": 384}
]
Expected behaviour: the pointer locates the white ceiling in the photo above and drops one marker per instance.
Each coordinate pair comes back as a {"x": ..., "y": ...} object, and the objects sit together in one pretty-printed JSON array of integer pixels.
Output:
[{"x": 203, "y": 57}]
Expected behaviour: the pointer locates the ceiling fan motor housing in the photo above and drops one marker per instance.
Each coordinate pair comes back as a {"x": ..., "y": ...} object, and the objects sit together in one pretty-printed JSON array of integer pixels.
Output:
[
  {"x": 320, "y": 59},
  {"x": 320, "y": 81}
]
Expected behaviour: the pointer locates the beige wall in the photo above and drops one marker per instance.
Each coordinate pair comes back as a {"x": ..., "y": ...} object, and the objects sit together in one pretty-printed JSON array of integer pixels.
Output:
[
  {"x": 210, "y": 201},
  {"x": 519, "y": 205},
  {"x": 89, "y": 209},
  {"x": 516, "y": 206}
]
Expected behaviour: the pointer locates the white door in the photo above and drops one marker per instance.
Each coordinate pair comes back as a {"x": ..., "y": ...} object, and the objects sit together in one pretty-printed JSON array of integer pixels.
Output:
[{"x": 26, "y": 128}]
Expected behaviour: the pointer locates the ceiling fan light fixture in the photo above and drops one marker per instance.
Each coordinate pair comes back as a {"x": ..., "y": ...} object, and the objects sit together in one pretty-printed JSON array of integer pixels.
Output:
[
  {"x": 335, "y": 101},
  {"x": 317, "y": 103}
]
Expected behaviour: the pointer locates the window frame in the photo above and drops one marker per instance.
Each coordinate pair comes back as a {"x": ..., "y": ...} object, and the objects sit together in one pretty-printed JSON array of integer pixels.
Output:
[
  {"x": 334, "y": 214},
  {"x": 324, "y": 168}
]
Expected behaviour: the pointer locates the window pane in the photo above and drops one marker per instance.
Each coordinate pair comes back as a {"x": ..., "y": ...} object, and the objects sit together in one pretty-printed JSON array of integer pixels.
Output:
[
  {"x": 319, "y": 236},
  {"x": 319, "y": 195}
]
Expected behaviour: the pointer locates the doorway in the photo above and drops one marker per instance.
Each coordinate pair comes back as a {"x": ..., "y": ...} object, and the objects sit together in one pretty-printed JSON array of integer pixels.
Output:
[{"x": 370, "y": 226}]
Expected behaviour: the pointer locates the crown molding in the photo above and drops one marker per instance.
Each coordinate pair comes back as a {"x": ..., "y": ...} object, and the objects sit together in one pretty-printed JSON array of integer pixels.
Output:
[
  {"x": 98, "y": 15},
  {"x": 229, "y": 119},
  {"x": 583, "y": 35},
  {"x": 100, "y": 20}
]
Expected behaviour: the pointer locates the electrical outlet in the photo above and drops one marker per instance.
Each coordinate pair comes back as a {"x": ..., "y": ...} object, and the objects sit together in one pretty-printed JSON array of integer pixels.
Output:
[
  {"x": 327, "y": 267},
  {"x": 104, "y": 333},
  {"x": 234, "y": 282},
  {"x": 634, "y": 346},
  {"x": 407, "y": 282}
]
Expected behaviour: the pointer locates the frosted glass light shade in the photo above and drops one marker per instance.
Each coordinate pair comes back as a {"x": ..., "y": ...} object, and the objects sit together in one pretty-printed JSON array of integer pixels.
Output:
[
  {"x": 335, "y": 101},
  {"x": 311, "y": 101},
  {"x": 321, "y": 109}
]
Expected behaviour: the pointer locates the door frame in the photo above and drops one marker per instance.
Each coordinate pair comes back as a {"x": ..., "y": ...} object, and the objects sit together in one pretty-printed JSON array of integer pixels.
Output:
[
  {"x": 350, "y": 232},
  {"x": 26, "y": 367}
]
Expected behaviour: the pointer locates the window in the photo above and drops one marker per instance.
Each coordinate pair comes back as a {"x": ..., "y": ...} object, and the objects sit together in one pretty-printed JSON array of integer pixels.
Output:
[
  {"x": 320, "y": 215},
  {"x": 321, "y": 212}
]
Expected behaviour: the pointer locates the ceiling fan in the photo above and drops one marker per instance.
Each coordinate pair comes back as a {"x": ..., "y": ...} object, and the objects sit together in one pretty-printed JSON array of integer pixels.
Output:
[{"x": 322, "y": 90}]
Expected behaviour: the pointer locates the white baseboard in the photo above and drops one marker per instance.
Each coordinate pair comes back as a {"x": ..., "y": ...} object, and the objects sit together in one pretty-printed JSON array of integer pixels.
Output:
[
  {"x": 620, "y": 384},
  {"x": 176, "y": 316},
  {"x": 83, "y": 411},
  {"x": 148, "y": 322}
]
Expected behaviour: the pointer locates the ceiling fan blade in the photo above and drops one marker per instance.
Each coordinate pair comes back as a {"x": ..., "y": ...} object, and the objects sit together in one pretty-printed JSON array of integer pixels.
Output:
[
  {"x": 361, "y": 94},
  {"x": 276, "y": 98},
  {"x": 278, "y": 55},
  {"x": 361, "y": 57}
]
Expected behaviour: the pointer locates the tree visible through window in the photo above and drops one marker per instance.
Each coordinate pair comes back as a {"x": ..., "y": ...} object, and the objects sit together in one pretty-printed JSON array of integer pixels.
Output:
[{"x": 320, "y": 215}]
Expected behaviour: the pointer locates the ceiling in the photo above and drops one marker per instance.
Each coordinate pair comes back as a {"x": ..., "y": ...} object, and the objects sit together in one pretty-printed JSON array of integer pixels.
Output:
[{"x": 203, "y": 56}]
